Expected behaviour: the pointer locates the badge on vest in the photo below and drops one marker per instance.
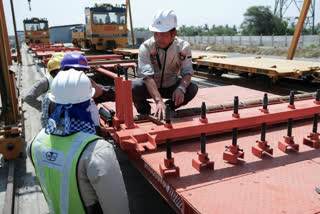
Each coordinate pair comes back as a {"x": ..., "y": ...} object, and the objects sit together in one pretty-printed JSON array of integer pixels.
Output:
[{"x": 52, "y": 158}]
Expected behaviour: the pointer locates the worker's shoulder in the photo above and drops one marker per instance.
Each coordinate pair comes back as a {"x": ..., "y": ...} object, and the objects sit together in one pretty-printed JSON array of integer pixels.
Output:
[
  {"x": 182, "y": 43},
  {"x": 148, "y": 44},
  {"x": 98, "y": 146}
]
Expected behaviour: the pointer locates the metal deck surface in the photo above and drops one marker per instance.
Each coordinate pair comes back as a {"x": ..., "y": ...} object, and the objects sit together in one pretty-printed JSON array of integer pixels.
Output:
[
  {"x": 266, "y": 66},
  {"x": 284, "y": 183},
  {"x": 214, "y": 96}
]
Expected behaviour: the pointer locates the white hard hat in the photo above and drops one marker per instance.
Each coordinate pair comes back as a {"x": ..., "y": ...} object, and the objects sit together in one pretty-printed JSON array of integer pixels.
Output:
[
  {"x": 163, "y": 21},
  {"x": 71, "y": 87}
]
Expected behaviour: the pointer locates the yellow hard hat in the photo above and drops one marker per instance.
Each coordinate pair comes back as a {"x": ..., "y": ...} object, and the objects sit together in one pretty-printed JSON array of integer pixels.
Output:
[
  {"x": 55, "y": 61},
  {"x": 61, "y": 54}
]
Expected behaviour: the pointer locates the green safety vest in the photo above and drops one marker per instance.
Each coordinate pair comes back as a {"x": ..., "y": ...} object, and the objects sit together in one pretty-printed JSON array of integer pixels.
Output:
[{"x": 55, "y": 160}]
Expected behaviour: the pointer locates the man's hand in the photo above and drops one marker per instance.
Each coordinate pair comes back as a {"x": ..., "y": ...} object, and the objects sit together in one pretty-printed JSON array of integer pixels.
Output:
[
  {"x": 160, "y": 109},
  {"x": 178, "y": 96},
  {"x": 98, "y": 90}
]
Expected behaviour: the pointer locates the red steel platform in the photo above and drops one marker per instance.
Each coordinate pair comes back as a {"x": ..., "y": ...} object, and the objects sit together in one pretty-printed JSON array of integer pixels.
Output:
[{"x": 284, "y": 182}]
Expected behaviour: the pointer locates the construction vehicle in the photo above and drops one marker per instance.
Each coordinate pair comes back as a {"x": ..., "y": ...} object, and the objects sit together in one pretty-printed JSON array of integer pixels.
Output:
[
  {"x": 36, "y": 30},
  {"x": 105, "y": 28}
]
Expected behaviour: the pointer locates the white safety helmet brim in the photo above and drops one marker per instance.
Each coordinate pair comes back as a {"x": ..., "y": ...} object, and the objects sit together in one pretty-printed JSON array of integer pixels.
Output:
[
  {"x": 74, "y": 101},
  {"x": 158, "y": 29},
  {"x": 71, "y": 87},
  {"x": 164, "y": 20}
]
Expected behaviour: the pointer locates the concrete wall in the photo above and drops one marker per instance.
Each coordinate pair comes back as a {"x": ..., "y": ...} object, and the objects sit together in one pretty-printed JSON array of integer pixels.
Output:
[{"x": 268, "y": 41}]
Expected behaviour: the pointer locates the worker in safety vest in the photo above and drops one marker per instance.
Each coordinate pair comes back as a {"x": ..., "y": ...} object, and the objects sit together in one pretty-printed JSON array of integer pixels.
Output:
[
  {"x": 43, "y": 85},
  {"x": 77, "y": 170},
  {"x": 162, "y": 60}
]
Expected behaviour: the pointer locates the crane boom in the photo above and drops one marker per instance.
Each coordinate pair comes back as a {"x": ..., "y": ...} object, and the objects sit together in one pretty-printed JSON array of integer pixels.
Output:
[{"x": 298, "y": 30}]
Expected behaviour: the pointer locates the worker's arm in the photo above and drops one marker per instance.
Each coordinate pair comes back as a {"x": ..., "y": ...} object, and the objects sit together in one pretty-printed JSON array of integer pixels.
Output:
[
  {"x": 178, "y": 94},
  {"x": 186, "y": 73},
  {"x": 154, "y": 93},
  {"x": 38, "y": 88},
  {"x": 98, "y": 89},
  {"x": 100, "y": 178}
]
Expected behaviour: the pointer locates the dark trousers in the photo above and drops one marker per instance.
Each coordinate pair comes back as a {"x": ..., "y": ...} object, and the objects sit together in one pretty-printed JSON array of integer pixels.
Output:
[{"x": 140, "y": 94}]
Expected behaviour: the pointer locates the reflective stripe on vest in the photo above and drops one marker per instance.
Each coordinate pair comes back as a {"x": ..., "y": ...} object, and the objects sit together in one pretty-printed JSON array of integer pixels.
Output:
[{"x": 55, "y": 159}]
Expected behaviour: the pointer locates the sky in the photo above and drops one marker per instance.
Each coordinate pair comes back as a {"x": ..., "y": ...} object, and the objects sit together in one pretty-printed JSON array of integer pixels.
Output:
[{"x": 189, "y": 12}]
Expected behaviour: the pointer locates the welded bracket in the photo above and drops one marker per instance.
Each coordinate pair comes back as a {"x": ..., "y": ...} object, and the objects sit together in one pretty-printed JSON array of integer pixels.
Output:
[
  {"x": 261, "y": 148},
  {"x": 312, "y": 140},
  {"x": 288, "y": 143},
  {"x": 168, "y": 168},
  {"x": 203, "y": 162},
  {"x": 232, "y": 154}
]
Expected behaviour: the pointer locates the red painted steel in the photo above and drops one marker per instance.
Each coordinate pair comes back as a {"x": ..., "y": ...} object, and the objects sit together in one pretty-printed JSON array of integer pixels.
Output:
[
  {"x": 218, "y": 122},
  {"x": 106, "y": 57},
  {"x": 203, "y": 162},
  {"x": 47, "y": 45},
  {"x": 282, "y": 183},
  {"x": 312, "y": 140},
  {"x": 108, "y": 73},
  {"x": 168, "y": 168},
  {"x": 55, "y": 49},
  {"x": 113, "y": 66},
  {"x": 288, "y": 143},
  {"x": 47, "y": 54},
  {"x": 261, "y": 149},
  {"x": 233, "y": 154}
]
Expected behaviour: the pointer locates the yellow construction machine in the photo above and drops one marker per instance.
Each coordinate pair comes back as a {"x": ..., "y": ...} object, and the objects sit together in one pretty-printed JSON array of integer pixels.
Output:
[
  {"x": 36, "y": 30},
  {"x": 105, "y": 28}
]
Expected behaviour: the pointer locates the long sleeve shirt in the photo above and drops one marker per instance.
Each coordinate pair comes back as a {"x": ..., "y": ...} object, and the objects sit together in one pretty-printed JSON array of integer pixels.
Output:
[{"x": 39, "y": 88}]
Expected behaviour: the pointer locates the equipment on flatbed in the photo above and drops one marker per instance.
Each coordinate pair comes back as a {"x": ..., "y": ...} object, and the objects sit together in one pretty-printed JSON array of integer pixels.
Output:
[
  {"x": 105, "y": 28},
  {"x": 36, "y": 30}
]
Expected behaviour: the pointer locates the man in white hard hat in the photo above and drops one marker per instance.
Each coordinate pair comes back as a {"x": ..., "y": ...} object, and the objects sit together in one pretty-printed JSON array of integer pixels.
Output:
[
  {"x": 162, "y": 60},
  {"x": 77, "y": 170}
]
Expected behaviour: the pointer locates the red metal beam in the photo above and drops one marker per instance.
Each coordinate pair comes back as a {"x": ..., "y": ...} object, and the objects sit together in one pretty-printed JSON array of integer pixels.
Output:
[
  {"x": 148, "y": 134},
  {"x": 106, "y": 57},
  {"x": 55, "y": 49}
]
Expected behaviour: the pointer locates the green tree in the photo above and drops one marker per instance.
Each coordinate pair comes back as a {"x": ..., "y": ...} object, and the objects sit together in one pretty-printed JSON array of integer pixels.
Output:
[
  {"x": 140, "y": 29},
  {"x": 260, "y": 20}
]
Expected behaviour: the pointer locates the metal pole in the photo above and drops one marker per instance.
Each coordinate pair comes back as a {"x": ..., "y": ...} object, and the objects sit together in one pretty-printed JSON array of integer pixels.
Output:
[
  {"x": 7, "y": 114},
  {"x": 299, "y": 27},
  {"x": 16, "y": 34},
  {"x": 130, "y": 16},
  {"x": 5, "y": 35}
]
